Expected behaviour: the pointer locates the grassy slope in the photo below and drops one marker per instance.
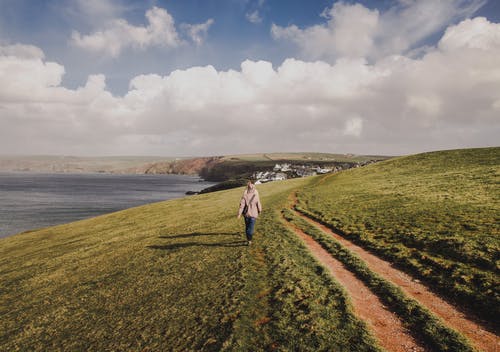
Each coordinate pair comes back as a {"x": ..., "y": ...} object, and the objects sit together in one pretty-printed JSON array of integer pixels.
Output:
[
  {"x": 414, "y": 316},
  {"x": 172, "y": 276},
  {"x": 436, "y": 214}
]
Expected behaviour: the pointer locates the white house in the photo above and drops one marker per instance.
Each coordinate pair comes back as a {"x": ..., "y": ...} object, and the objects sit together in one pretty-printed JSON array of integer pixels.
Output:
[
  {"x": 321, "y": 170},
  {"x": 305, "y": 172},
  {"x": 282, "y": 167},
  {"x": 279, "y": 176},
  {"x": 286, "y": 167}
]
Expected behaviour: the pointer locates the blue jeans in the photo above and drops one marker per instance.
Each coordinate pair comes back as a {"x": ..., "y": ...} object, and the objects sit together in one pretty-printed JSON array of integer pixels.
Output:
[{"x": 249, "y": 227}]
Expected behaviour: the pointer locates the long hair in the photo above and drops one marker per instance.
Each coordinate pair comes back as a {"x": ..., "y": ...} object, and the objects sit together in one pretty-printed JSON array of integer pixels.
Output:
[{"x": 250, "y": 187}]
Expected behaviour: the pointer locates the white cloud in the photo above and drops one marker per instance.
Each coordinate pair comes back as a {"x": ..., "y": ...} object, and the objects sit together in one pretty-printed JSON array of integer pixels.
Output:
[
  {"x": 352, "y": 30},
  {"x": 496, "y": 105},
  {"x": 407, "y": 25},
  {"x": 348, "y": 32},
  {"x": 98, "y": 10},
  {"x": 477, "y": 33},
  {"x": 22, "y": 51},
  {"x": 254, "y": 17},
  {"x": 353, "y": 127},
  {"x": 445, "y": 99},
  {"x": 119, "y": 34},
  {"x": 197, "y": 32},
  {"x": 27, "y": 78},
  {"x": 425, "y": 104}
]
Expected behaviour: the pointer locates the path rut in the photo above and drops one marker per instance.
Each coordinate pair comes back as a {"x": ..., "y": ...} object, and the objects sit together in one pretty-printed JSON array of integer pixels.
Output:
[
  {"x": 477, "y": 334},
  {"x": 385, "y": 325}
]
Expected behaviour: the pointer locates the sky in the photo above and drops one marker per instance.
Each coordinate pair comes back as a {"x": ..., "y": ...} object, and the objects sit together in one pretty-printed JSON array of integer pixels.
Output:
[{"x": 218, "y": 77}]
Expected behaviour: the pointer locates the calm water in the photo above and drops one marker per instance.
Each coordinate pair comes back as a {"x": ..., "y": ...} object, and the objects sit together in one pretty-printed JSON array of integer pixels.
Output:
[{"x": 31, "y": 201}]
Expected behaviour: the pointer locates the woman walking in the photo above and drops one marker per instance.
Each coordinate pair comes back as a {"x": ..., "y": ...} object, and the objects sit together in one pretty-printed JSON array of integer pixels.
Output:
[{"x": 250, "y": 208}]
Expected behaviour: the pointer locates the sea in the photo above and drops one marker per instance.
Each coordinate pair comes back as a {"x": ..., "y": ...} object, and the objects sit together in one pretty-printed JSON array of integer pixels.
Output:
[{"x": 34, "y": 200}]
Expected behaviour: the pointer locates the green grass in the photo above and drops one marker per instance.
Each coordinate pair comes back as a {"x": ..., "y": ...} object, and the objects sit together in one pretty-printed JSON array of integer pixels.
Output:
[
  {"x": 434, "y": 214},
  {"x": 414, "y": 316},
  {"x": 173, "y": 276},
  {"x": 305, "y": 308}
]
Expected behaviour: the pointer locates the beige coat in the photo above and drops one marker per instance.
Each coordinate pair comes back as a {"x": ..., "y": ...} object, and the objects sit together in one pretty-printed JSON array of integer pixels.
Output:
[{"x": 250, "y": 198}]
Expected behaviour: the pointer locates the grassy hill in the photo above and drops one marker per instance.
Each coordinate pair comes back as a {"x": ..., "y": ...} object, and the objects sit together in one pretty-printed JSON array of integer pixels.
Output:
[
  {"x": 434, "y": 214},
  {"x": 172, "y": 276},
  {"x": 176, "y": 275}
]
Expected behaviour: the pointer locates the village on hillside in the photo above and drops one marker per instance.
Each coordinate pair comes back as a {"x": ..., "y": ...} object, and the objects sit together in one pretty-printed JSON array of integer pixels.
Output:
[{"x": 285, "y": 171}]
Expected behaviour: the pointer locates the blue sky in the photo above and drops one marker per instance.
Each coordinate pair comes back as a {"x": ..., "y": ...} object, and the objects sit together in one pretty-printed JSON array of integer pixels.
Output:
[
  {"x": 48, "y": 24},
  {"x": 232, "y": 38},
  {"x": 367, "y": 41}
]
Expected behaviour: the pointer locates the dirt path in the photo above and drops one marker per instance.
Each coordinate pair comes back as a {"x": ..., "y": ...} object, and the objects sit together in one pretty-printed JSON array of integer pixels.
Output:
[
  {"x": 386, "y": 326},
  {"x": 477, "y": 334}
]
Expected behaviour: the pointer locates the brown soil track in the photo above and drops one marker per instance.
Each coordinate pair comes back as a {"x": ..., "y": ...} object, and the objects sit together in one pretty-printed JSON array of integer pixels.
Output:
[
  {"x": 385, "y": 325},
  {"x": 477, "y": 333}
]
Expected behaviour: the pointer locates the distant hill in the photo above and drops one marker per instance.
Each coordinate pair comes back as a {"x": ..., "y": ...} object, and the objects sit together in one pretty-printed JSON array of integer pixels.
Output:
[
  {"x": 190, "y": 166},
  {"x": 305, "y": 157},
  {"x": 237, "y": 166},
  {"x": 224, "y": 166},
  {"x": 73, "y": 164}
]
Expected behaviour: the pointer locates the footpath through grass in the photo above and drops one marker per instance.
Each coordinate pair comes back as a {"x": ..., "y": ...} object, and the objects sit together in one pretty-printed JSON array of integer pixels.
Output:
[
  {"x": 435, "y": 214},
  {"x": 414, "y": 316},
  {"x": 173, "y": 276},
  {"x": 292, "y": 303}
]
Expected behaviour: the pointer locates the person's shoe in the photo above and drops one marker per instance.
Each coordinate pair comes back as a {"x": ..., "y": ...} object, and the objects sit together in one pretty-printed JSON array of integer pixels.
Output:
[{"x": 249, "y": 243}]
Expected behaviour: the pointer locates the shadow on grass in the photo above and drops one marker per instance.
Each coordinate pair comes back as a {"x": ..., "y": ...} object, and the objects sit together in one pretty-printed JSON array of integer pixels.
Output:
[
  {"x": 174, "y": 246},
  {"x": 199, "y": 234}
]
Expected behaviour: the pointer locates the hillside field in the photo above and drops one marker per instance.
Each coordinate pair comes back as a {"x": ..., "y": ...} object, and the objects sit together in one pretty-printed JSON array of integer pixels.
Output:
[
  {"x": 435, "y": 214},
  {"x": 172, "y": 276},
  {"x": 177, "y": 275}
]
